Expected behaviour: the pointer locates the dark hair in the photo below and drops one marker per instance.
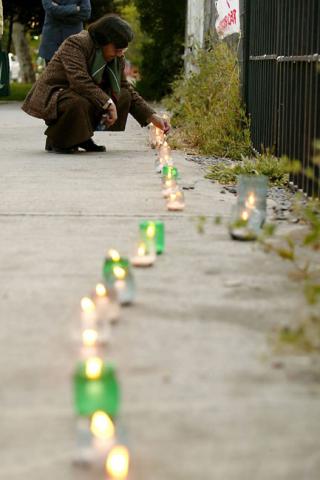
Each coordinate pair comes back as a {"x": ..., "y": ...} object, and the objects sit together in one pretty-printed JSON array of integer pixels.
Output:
[{"x": 111, "y": 29}]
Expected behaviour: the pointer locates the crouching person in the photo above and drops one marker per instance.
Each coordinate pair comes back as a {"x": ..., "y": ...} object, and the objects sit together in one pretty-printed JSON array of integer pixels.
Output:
[{"x": 84, "y": 84}]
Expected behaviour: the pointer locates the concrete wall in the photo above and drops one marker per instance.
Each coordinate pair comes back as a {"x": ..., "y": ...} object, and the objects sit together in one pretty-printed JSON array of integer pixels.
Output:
[
  {"x": 195, "y": 23},
  {"x": 200, "y": 21}
]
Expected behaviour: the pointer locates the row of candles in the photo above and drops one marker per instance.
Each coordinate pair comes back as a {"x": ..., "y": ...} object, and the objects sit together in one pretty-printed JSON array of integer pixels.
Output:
[
  {"x": 249, "y": 213},
  {"x": 95, "y": 382},
  {"x": 171, "y": 192}
]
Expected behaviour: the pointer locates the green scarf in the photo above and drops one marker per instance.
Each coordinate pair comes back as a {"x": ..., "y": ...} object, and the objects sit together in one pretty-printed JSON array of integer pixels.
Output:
[{"x": 113, "y": 69}]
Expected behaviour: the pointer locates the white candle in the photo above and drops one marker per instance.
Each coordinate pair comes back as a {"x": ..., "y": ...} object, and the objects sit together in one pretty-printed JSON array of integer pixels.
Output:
[
  {"x": 164, "y": 151},
  {"x": 142, "y": 257},
  {"x": 176, "y": 201},
  {"x": 88, "y": 311},
  {"x": 168, "y": 187},
  {"x": 175, "y": 206}
]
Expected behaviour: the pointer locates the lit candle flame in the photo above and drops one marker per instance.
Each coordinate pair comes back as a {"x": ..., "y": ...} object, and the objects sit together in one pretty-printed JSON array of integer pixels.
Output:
[
  {"x": 93, "y": 368},
  {"x": 114, "y": 255},
  {"x": 151, "y": 230},
  {"x": 89, "y": 337},
  {"x": 87, "y": 305},
  {"x": 141, "y": 250},
  {"x": 119, "y": 272},
  {"x": 251, "y": 200},
  {"x": 117, "y": 463},
  {"x": 101, "y": 426},
  {"x": 245, "y": 215},
  {"x": 101, "y": 290}
]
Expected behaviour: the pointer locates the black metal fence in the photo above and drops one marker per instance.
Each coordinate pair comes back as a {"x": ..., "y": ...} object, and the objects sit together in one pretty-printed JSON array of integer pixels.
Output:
[{"x": 281, "y": 69}]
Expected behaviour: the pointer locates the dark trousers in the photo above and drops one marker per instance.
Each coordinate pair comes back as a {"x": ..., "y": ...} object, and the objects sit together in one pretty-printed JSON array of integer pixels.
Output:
[{"x": 78, "y": 118}]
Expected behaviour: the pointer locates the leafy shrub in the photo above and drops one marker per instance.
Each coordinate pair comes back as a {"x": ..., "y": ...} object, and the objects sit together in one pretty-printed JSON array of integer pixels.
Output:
[{"x": 206, "y": 105}]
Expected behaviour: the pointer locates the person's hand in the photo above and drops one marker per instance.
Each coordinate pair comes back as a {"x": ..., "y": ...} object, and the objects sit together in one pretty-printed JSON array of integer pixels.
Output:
[
  {"x": 111, "y": 115},
  {"x": 160, "y": 123}
]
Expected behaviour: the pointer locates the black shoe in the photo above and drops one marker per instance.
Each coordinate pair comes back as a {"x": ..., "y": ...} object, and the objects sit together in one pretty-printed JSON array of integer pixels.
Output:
[{"x": 90, "y": 146}]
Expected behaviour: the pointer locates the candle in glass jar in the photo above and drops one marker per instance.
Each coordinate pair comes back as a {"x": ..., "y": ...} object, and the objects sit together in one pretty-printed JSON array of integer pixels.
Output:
[
  {"x": 107, "y": 303},
  {"x": 164, "y": 151},
  {"x": 175, "y": 201},
  {"x": 143, "y": 256},
  {"x": 167, "y": 187},
  {"x": 88, "y": 311},
  {"x": 117, "y": 463},
  {"x": 169, "y": 172},
  {"x": 152, "y": 233},
  {"x": 156, "y": 136},
  {"x": 118, "y": 275},
  {"x": 96, "y": 388}
]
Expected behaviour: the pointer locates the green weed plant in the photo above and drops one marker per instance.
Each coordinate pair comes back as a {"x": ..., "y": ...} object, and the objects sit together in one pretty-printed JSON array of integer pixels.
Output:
[
  {"x": 207, "y": 108},
  {"x": 277, "y": 170},
  {"x": 304, "y": 256}
]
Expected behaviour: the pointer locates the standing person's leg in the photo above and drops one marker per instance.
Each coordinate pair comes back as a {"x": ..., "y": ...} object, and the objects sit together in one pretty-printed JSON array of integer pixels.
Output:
[{"x": 77, "y": 118}]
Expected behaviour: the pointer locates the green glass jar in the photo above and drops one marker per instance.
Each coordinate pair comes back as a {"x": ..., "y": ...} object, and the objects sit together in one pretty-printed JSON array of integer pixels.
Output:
[
  {"x": 99, "y": 393},
  {"x": 153, "y": 231},
  {"x": 170, "y": 172}
]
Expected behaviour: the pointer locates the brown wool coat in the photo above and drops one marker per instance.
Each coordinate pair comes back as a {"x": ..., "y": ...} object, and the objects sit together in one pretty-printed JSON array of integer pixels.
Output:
[{"x": 70, "y": 69}]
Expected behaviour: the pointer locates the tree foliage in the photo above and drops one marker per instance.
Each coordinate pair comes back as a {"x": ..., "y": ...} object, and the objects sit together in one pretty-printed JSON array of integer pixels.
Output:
[
  {"x": 28, "y": 13},
  {"x": 31, "y": 14},
  {"x": 102, "y": 7},
  {"x": 164, "y": 24}
]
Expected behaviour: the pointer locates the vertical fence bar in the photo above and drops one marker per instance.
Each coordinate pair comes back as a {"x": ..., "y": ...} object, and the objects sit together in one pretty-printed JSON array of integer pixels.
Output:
[{"x": 282, "y": 84}]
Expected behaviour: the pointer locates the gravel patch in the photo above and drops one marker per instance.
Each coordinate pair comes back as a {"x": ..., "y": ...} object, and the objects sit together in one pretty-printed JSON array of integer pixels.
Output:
[{"x": 283, "y": 198}]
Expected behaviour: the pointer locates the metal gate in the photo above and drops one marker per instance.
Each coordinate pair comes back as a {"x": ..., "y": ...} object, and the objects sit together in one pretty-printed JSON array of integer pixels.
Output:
[{"x": 281, "y": 81}]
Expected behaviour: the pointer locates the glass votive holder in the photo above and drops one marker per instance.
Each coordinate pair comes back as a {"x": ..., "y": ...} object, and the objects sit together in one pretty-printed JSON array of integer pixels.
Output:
[
  {"x": 107, "y": 304},
  {"x": 95, "y": 436},
  {"x": 118, "y": 276},
  {"x": 245, "y": 223},
  {"x": 94, "y": 337},
  {"x": 168, "y": 186},
  {"x": 169, "y": 172},
  {"x": 96, "y": 388},
  {"x": 117, "y": 462},
  {"x": 88, "y": 311},
  {"x": 164, "y": 151},
  {"x": 249, "y": 214},
  {"x": 160, "y": 163},
  {"x": 144, "y": 254},
  {"x": 153, "y": 234},
  {"x": 252, "y": 192},
  {"x": 175, "y": 201},
  {"x": 156, "y": 136}
]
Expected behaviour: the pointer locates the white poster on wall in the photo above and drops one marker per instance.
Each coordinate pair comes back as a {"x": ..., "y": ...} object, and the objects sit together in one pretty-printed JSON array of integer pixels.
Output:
[{"x": 228, "y": 20}]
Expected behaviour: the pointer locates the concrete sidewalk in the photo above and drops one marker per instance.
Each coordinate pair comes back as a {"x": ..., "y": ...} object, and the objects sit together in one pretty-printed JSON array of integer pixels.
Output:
[{"x": 201, "y": 397}]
